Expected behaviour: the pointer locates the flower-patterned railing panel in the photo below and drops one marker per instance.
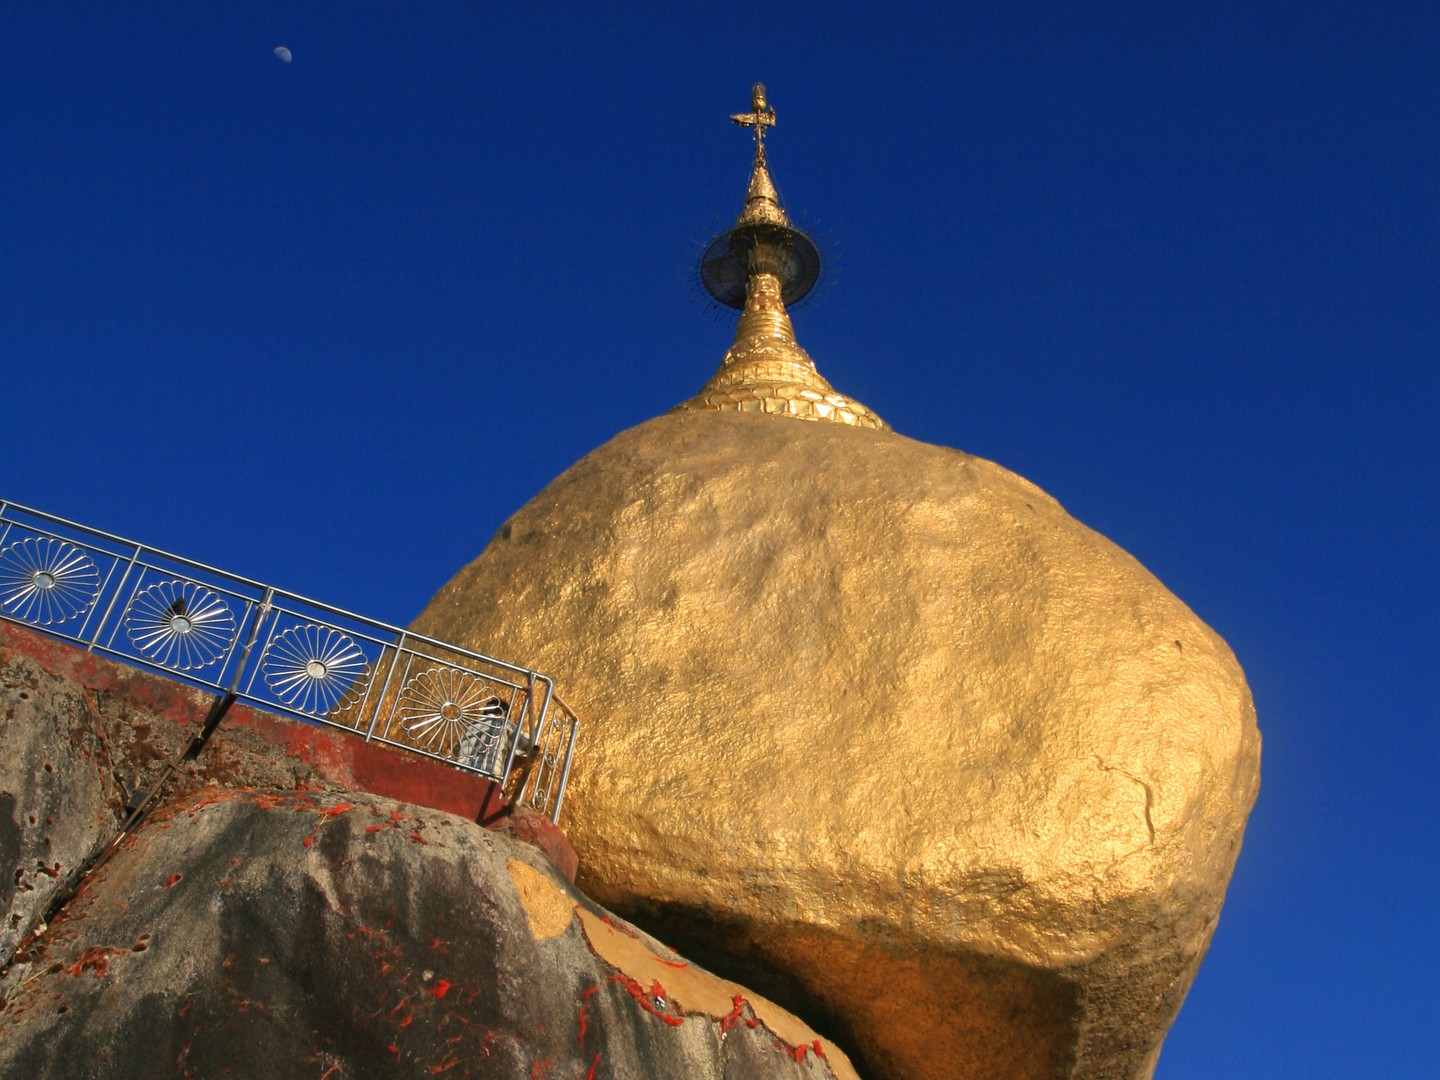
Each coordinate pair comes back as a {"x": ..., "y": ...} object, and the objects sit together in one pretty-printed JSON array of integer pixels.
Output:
[
  {"x": 139, "y": 604},
  {"x": 438, "y": 704},
  {"x": 287, "y": 654}
]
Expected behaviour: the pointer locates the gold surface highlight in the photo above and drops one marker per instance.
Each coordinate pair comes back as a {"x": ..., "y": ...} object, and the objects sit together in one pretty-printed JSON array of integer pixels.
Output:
[
  {"x": 547, "y": 908},
  {"x": 883, "y": 719}
]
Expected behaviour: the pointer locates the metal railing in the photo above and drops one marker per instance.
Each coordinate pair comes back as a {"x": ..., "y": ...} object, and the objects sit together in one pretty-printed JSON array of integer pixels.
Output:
[{"x": 286, "y": 654}]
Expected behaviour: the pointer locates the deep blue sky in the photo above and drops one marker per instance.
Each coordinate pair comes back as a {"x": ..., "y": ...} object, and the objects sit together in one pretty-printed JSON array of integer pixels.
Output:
[{"x": 328, "y": 323}]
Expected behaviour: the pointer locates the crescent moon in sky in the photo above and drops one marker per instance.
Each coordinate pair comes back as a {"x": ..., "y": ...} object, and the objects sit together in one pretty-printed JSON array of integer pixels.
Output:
[{"x": 283, "y": 53}]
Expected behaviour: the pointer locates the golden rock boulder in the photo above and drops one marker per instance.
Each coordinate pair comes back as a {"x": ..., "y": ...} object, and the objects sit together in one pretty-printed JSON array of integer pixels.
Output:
[{"x": 877, "y": 728}]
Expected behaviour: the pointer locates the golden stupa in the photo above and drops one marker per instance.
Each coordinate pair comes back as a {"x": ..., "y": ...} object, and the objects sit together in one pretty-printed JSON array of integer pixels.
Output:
[{"x": 873, "y": 726}]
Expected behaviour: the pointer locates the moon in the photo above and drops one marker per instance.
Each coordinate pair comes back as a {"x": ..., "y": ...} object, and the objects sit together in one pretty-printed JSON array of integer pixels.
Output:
[{"x": 283, "y": 53}]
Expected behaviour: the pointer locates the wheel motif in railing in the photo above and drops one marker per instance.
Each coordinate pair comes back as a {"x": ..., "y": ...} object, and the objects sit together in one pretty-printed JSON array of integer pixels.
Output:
[
  {"x": 453, "y": 714},
  {"x": 313, "y": 669},
  {"x": 180, "y": 624},
  {"x": 46, "y": 581}
]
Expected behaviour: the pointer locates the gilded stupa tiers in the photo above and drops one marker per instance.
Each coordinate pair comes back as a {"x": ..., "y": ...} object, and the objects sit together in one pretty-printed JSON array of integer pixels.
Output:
[{"x": 759, "y": 266}]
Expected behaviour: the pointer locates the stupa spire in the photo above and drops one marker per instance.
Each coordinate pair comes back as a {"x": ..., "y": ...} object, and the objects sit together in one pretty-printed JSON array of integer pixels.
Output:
[
  {"x": 762, "y": 201},
  {"x": 758, "y": 267}
]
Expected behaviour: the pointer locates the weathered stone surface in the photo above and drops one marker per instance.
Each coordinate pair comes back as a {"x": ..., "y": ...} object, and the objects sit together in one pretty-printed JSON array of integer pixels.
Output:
[
  {"x": 879, "y": 723},
  {"x": 289, "y": 934},
  {"x": 80, "y": 738},
  {"x": 293, "y": 931},
  {"x": 145, "y": 721},
  {"x": 59, "y": 803}
]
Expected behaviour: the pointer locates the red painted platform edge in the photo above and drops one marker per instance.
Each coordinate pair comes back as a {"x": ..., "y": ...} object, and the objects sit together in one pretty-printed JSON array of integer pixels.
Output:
[{"x": 344, "y": 760}]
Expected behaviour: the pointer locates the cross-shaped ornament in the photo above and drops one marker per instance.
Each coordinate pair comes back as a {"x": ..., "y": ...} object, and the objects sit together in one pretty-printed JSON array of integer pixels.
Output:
[{"x": 760, "y": 117}]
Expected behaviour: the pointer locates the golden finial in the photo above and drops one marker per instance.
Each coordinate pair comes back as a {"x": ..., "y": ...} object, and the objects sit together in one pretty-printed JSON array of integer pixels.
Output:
[
  {"x": 760, "y": 117},
  {"x": 758, "y": 267}
]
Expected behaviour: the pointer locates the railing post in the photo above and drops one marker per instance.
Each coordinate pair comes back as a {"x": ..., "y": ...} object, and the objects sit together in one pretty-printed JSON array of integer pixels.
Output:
[
  {"x": 385, "y": 690},
  {"x": 261, "y": 610},
  {"x": 5, "y": 522},
  {"x": 565, "y": 770},
  {"x": 519, "y": 728},
  {"x": 114, "y": 597}
]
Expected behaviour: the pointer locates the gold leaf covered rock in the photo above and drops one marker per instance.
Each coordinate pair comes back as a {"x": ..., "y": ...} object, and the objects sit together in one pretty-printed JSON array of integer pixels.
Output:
[
  {"x": 878, "y": 721},
  {"x": 871, "y": 725}
]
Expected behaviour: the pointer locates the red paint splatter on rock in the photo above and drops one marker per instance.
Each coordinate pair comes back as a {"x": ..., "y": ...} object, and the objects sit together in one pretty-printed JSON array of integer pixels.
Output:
[
  {"x": 646, "y": 1000},
  {"x": 730, "y": 1019},
  {"x": 584, "y": 1001},
  {"x": 608, "y": 921},
  {"x": 96, "y": 958}
]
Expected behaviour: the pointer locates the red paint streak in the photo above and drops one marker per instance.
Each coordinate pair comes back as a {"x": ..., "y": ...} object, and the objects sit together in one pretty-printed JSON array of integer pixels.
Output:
[
  {"x": 441, "y": 989},
  {"x": 799, "y": 1052},
  {"x": 620, "y": 926},
  {"x": 396, "y": 815},
  {"x": 184, "y": 1008},
  {"x": 730, "y": 1019},
  {"x": 96, "y": 958},
  {"x": 409, "y": 1019},
  {"x": 393, "y": 1048},
  {"x": 645, "y": 999},
  {"x": 326, "y": 813},
  {"x": 444, "y": 1066},
  {"x": 540, "y": 1068},
  {"x": 173, "y": 879},
  {"x": 593, "y": 1066},
  {"x": 673, "y": 963},
  {"x": 584, "y": 1001},
  {"x": 418, "y": 838},
  {"x": 327, "y": 1073},
  {"x": 373, "y": 828}
]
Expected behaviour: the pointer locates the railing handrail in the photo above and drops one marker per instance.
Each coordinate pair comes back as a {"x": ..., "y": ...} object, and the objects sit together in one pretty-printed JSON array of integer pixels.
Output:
[
  {"x": 473, "y": 710},
  {"x": 6, "y": 505}
]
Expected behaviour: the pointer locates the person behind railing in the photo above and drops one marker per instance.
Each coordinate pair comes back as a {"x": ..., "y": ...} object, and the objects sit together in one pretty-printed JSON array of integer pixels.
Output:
[{"x": 480, "y": 742}]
